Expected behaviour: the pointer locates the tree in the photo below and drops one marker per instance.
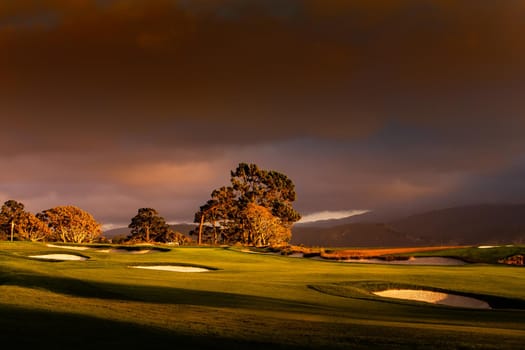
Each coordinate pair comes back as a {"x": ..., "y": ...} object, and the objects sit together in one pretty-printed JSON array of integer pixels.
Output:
[
  {"x": 11, "y": 216},
  {"x": 214, "y": 214},
  {"x": 253, "y": 191},
  {"x": 269, "y": 189},
  {"x": 262, "y": 228},
  {"x": 22, "y": 224},
  {"x": 148, "y": 226},
  {"x": 33, "y": 229},
  {"x": 71, "y": 224}
]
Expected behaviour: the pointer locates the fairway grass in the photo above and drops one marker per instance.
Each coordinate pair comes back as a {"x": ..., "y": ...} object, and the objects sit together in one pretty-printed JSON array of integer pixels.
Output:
[{"x": 251, "y": 301}]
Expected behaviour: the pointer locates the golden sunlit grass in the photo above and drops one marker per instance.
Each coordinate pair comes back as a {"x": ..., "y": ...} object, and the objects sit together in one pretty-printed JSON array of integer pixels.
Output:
[{"x": 251, "y": 301}]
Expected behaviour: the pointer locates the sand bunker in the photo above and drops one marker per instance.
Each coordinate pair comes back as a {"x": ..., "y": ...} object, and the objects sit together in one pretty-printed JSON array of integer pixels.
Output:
[
  {"x": 68, "y": 247},
  {"x": 127, "y": 251},
  {"x": 412, "y": 261},
  {"x": 434, "y": 298},
  {"x": 262, "y": 253},
  {"x": 173, "y": 268},
  {"x": 59, "y": 257}
]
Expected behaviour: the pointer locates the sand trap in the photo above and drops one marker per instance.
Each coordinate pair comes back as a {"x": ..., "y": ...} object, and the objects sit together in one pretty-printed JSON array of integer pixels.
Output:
[
  {"x": 412, "y": 261},
  {"x": 59, "y": 257},
  {"x": 434, "y": 298},
  {"x": 126, "y": 251},
  {"x": 262, "y": 253},
  {"x": 173, "y": 268},
  {"x": 68, "y": 247},
  {"x": 487, "y": 246}
]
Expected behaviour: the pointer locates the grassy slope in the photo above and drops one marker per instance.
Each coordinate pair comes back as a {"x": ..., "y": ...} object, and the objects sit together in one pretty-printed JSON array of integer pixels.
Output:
[
  {"x": 473, "y": 254},
  {"x": 253, "y": 300}
]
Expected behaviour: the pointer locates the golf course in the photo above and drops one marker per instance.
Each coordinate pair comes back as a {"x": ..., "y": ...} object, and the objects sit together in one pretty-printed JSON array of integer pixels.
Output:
[{"x": 154, "y": 297}]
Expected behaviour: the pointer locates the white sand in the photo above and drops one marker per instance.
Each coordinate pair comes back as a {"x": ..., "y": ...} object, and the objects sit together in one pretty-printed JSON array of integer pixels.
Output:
[
  {"x": 173, "y": 268},
  {"x": 488, "y": 246},
  {"x": 262, "y": 253},
  {"x": 67, "y": 247},
  {"x": 124, "y": 251},
  {"x": 434, "y": 298},
  {"x": 59, "y": 257}
]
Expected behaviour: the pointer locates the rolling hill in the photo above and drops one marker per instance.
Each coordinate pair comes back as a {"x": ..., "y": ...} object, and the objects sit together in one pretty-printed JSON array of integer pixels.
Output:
[{"x": 466, "y": 225}]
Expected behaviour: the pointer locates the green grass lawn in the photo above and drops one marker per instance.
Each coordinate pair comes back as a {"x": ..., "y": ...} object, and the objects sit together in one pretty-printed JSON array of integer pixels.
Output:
[{"x": 250, "y": 301}]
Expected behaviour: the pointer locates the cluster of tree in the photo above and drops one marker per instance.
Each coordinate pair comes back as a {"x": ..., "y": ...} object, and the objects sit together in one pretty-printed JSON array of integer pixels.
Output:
[
  {"x": 71, "y": 224},
  {"x": 63, "y": 223},
  {"x": 255, "y": 210}
]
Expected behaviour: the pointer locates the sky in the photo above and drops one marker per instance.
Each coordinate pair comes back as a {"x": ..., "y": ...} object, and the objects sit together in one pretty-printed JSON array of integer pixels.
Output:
[{"x": 114, "y": 105}]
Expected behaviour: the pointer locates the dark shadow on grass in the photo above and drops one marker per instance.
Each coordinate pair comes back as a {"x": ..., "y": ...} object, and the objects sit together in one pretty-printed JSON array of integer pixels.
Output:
[
  {"x": 30, "y": 329},
  {"x": 134, "y": 292}
]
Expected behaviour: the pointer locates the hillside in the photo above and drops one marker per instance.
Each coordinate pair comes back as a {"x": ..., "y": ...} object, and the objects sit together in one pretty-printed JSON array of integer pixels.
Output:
[
  {"x": 480, "y": 224},
  {"x": 467, "y": 225},
  {"x": 351, "y": 235}
]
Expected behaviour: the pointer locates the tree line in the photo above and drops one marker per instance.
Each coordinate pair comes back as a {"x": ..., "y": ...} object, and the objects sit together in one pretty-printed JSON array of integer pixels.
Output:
[
  {"x": 256, "y": 209},
  {"x": 70, "y": 224},
  {"x": 60, "y": 224}
]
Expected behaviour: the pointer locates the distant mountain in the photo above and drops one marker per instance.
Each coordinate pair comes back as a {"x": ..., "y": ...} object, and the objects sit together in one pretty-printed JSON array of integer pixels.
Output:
[
  {"x": 375, "y": 216},
  {"x": 467, "y": 225},
  {"x": 488, "y": 224},
  {"x": 115, "y": 232},
  {"x": 124, "y": 231},
  {"x": 351, "y": 235}
]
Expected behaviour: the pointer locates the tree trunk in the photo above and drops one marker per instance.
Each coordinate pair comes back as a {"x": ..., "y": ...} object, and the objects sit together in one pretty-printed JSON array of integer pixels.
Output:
[{"x": 200, "y": 229}]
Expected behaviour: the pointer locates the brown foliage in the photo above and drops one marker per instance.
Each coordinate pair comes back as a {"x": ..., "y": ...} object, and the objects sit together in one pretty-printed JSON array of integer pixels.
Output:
[
  {"x": 71, "y": 224},
  {"x": 262, "y": 228},
  {"x": 368, "y": 253}
]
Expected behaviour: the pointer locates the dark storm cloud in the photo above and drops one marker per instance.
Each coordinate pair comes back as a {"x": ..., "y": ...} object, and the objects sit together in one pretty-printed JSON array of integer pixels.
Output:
[{"x": 381, "y": 102}]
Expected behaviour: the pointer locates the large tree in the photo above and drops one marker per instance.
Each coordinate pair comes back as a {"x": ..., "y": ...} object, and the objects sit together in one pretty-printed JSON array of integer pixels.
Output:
[
  {"x": 71, "y": 224},
  {"x": 11, "y": 216},
  {"x": 148, "y": 226},
  {"x": 234, "y": 213},
  {"x": 31, "y": 228},
  {"x": 214, "y": 214}
]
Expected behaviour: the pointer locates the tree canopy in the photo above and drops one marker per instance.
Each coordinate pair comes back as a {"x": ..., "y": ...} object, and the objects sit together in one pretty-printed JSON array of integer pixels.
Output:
[
  {"x": 256, "y": 209},
  {"x": 24, "y": 225},
  {"x": 71, "y": 224},
  {"x": 149, "y": 226}
]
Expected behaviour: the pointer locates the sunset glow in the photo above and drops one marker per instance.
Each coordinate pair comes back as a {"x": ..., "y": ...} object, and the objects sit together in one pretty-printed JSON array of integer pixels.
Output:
[{"x": 116, "y": 105}]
